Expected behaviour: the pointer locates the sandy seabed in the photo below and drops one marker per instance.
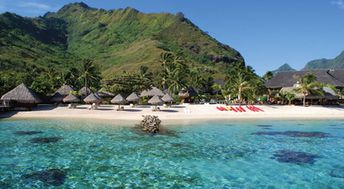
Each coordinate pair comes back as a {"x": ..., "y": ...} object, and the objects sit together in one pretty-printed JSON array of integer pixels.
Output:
[{"x": 182, "y": 113}]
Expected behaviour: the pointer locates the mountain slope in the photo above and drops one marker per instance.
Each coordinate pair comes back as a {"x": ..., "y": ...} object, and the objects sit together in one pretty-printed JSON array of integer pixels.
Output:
[
  {"x": 320, "y": 64},
  {"x": 124, "y": 39},
  {"x": 284, "y": 68}
]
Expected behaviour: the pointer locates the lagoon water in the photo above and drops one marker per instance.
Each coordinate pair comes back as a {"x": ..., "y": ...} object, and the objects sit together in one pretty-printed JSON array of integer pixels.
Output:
[{"x": 221, "y": 154}]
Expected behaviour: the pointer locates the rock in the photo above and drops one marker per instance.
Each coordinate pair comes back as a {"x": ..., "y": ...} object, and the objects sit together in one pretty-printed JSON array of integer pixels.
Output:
[
  {"x": 42, "y": 140},
  {"x": 55, "y": 177},
  {"x": 150, "y": 124},
  {"x": 287, "y": 156},
  {"x": 295, "y": 134},
  {"x": 27, "y": 132}
]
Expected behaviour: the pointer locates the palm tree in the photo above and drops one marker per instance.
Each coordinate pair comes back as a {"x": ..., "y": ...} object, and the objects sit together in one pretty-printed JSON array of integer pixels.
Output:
[
  {"x": 174, "y": 72},
  {"x": 241, "y": 85},
  {"x": 89, "y": 73},
  {"x": 307, "y": 85},
  {"x": 290, "y": 97}
]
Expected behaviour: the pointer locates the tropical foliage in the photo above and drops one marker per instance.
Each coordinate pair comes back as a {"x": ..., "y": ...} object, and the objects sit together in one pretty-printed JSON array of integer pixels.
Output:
[{"x": 308, "y": 85}]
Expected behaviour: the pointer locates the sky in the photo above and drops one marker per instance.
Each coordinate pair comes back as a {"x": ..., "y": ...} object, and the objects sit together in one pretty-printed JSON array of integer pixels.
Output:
[{"x": 268, "y": 33}]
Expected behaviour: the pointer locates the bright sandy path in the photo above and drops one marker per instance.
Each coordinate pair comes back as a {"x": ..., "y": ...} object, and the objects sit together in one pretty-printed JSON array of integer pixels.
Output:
[{"x": 182, "y": 113}]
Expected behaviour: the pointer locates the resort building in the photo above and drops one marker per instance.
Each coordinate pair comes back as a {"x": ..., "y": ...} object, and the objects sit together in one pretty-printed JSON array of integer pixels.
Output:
[{"x": 287, "y": 82}]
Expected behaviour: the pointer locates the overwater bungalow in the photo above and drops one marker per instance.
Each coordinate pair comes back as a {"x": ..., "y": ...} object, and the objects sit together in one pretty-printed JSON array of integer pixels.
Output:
[{"x": 21, "y": 96}]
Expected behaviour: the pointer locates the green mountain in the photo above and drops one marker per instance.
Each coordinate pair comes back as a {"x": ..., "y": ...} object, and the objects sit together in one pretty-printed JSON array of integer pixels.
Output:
[
  {"x": 325, "y": 64},
  {"x": 116, "y": 40},
  {"x": 284, "y": 68}
]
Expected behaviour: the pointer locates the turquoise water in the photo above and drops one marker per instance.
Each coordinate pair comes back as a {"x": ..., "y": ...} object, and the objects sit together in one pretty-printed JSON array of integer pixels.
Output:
[{"x": 223, "y": 154}]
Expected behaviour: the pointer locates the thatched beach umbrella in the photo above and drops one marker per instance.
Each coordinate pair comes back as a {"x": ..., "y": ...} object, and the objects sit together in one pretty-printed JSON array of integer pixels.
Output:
[
  {"x": 133, "y": 97},
  {"x": 22, "y": 94},
  {"x": 118, "y": 99},
  {"x": 167, "y": 98},
  {"x": 61, "y": 93},
  {"x": 155, "y": 100},
  {"x": 85, "y": 91},
  {"x": 105, "y": 94},
  {"x": 71, "y": 99},
  {"x": 152, "y": 92},
  {"x": 92, "y": 98}
]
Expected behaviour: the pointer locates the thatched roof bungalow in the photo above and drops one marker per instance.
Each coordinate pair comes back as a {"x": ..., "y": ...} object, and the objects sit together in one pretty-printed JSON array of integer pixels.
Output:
[
  {"x": 85, "y": 91},
  {"x": 71, "y": 99},
  {"x": 155, "y": 100},
  {"x": 152, "y": 92},
  {"x": 61, "y": 93},
  {"x": 22, "y": 96},
  {"x": 133, "y": 97},
  {"x": 287, "y": 79},
  {"x": 167, "y": 98},
  {"x": 92, "y": 98}
]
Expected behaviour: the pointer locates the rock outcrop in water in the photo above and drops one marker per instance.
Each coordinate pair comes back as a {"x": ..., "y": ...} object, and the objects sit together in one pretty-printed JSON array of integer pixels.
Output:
[
  {"x": 54, "y": 177},
  {"x": 150, "y": 124}
]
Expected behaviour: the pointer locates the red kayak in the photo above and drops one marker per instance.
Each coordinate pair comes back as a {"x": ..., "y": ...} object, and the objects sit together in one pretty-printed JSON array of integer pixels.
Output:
[
  {"x": 234, "y": 110},
  {"x": 258, "y": 109},
  {"x": 242, "y": 109},
  {"x": 237, "y": 108},
  {"x": 251, "y": 108}
]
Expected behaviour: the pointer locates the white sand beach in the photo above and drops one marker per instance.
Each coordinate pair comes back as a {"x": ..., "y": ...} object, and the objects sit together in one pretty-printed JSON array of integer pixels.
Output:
[{"x": 181, "y": 113}]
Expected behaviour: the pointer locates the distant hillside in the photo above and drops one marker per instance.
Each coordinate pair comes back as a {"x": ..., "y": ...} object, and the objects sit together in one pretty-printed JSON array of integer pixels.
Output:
[
  {"x": 322, "y": 64},
  {"x": 117, "y": 40},
  {"x": 284, "y": 68}
]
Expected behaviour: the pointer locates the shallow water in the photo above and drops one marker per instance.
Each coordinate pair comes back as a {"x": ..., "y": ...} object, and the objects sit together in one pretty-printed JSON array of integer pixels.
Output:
[{"x": 223, "y": 154}]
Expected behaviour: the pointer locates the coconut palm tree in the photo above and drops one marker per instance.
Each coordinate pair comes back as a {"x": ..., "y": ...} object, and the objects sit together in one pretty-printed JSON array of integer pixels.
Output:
[
  {"x": 240, "y": 85},
  {"x": 308, "y": 85},
  {"x": 290, "y": 97},
  {"x": 89, "y": 73}
]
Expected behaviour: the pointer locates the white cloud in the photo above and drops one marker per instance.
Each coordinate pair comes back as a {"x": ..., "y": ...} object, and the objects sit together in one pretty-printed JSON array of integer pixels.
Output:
[
  {"x": 34, "y": 5},
  {"x": 339, "y": 3}
]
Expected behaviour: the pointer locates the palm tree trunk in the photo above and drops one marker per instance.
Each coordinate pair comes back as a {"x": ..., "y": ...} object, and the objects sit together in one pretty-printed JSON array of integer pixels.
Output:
[
  {"x": 239, "y": 96},
  {"x": 304, "y": 100},
  {"x": 86, "y": 85}
]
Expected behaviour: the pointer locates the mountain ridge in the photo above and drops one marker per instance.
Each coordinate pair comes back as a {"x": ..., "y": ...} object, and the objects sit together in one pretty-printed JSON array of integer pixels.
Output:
[{"x": 117, "y": 40}]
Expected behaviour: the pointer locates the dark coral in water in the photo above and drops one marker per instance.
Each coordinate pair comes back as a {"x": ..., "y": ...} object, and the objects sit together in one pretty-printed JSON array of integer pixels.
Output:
[
  {"x": 44, "y": 140},
  {"x": 295, "y": 134},
  {"x": 287, "y": 156},
  {"x": 337, "y": 172},
  {"x": 264, "y": 126},
  {"x": 27, "y": 132},
  {"x": 55, "y": 177}
]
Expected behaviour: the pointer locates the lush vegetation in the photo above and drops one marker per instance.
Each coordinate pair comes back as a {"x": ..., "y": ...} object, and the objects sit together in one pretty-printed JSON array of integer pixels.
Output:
[
  {"x": 336, "y": 63},
  {"x": 118, "y": 43}
]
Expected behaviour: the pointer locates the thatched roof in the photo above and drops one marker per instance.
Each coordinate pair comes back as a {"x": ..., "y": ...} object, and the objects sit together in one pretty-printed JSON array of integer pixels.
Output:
[
  {"x": 105, "y": 94},
  {"x": 71, "y": 99},
  {"x": 155, "y": 100},
  {"x": 329, "y": 93},
  {"x": 287, "y": 79},
  {"x": 167, "y": 98},
  {"x": 133, "y": 97},
  {"x": 85, "y": 91},
  {"x": 61, "y": 93},
  {"x": 22, "y": 94},
  {"x": 118, "y": 99},
  {"x": 152, "y": 92},
  {"x": 92, "y": 98}
]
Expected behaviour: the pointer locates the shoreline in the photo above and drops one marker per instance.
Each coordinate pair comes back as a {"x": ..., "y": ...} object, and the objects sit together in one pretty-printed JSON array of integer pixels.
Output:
[{"x": 180, "y": 114}]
